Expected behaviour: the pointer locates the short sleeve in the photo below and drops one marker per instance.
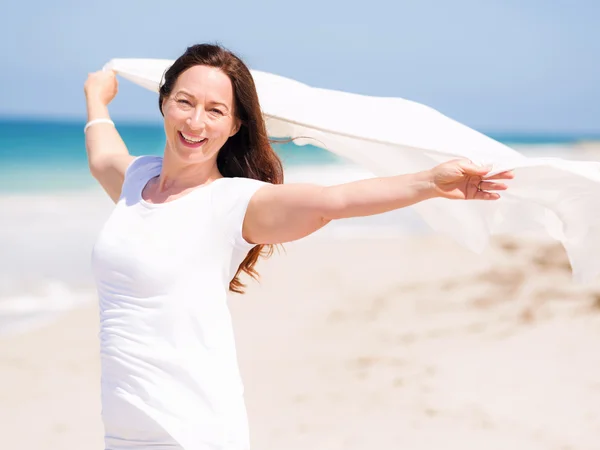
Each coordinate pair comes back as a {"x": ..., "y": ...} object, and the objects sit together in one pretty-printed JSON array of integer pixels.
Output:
[
  {"x": 137, "y": 172},
  {"x": 230, "y": 198},
  {"x": 140, "y": 165}
]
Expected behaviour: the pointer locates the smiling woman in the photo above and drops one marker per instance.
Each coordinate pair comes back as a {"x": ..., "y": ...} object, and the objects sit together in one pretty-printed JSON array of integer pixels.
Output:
[
  {"x": 185, "y": 226},
  {"x": 199, "y": 116}
]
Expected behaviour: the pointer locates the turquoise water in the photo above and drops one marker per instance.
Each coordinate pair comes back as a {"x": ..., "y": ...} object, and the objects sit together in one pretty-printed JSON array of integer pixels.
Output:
[
  {"x": 45, "y": 155},
  {"x": 38, "y": 155}
]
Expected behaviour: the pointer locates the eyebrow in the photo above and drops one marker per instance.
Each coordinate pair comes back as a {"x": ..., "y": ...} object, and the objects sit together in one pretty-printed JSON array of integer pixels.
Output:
[{"x": 214, "y": 102}]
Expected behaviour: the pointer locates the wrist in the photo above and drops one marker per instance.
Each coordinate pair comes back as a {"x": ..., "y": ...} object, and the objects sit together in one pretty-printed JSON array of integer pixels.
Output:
[
  {"x": 96, "y": 109},
  {"x": 427, "y": 186},
  {"x": 95, "y": 99}
]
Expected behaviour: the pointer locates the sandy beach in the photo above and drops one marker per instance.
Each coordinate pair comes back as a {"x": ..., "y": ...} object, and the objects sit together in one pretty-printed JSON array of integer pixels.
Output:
[{"x": 357, "y": 344}]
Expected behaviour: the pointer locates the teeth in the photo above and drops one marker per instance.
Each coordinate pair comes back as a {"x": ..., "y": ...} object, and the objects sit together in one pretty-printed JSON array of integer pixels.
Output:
[{"x": 191, "y": 139}]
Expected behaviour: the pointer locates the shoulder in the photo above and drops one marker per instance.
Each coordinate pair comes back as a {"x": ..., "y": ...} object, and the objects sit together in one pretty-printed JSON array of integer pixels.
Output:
[
  {"x": 230, "y": 198},
  {"x": 138, "y": 172},
  {"x": 237, "y": 188},
  {"x": 143, "y": 164}
]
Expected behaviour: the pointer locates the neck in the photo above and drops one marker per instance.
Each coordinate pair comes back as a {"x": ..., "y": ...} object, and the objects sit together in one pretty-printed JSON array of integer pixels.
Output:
[{"x": 178, "y": 176}]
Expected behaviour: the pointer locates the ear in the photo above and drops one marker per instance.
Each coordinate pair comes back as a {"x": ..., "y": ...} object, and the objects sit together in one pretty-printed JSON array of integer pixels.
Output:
[{"x": 237, "y": 124}]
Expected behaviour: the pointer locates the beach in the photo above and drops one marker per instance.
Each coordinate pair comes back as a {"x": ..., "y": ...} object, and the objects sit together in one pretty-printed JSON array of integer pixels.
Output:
[
  {"x": 372, "y": 333},
  {"x": 388, "y": 342},
  {"x": 437, "y": 326}
]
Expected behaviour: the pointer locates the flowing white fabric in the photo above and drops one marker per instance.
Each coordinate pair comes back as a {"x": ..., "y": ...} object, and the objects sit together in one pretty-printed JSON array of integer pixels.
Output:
[{"x": 390, "y": 136}]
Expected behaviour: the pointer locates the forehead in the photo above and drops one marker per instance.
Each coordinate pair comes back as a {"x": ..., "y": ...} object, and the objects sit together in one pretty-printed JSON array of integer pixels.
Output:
[{"x": 205, "y": 81}]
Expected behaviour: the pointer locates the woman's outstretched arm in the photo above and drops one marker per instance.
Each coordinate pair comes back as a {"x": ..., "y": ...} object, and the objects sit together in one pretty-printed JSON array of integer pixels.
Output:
[
  {"x": 283, "y": 213},
  {"x": 108, "y": 157}
]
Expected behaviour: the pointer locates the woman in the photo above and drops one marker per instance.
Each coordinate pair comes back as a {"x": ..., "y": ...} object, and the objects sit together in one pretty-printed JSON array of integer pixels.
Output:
[{"x": 185, "y": 226}]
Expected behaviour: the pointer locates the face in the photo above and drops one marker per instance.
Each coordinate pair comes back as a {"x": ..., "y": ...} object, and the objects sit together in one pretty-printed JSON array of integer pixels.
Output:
[{"x": 199, "y": 115}]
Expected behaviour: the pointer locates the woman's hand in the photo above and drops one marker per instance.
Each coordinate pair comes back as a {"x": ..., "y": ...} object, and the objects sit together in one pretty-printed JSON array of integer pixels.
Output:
[
  {"x": 101, "y": 86},
  {"x": 463, "y": 180}
]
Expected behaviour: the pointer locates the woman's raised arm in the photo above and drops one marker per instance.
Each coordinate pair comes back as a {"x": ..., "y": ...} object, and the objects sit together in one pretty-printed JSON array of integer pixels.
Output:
[{"x": 108, "y": 157}]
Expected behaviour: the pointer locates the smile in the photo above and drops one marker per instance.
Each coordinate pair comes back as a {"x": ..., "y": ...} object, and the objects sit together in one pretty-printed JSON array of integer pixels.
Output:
[{"x": 191, "y": 141}]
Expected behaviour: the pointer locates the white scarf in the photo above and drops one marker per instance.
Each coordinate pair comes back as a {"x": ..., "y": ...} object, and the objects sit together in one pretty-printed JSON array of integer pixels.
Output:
[{"x": 390, "y": 136}]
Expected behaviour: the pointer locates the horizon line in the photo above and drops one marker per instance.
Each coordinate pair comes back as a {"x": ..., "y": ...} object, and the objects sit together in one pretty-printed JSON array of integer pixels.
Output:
[{"x": 80, "y": 120}]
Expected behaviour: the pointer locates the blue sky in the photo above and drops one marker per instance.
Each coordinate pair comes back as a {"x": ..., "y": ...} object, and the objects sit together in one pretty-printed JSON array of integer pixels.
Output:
[{"x": 495, "y": 65}]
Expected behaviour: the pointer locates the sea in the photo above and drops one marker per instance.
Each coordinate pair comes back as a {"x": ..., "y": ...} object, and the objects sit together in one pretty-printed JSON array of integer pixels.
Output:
[{"x": 52, "y": 209}]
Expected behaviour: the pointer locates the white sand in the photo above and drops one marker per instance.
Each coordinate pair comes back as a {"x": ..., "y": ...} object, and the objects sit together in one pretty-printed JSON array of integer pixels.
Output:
[{"x": 371, "y": 344}]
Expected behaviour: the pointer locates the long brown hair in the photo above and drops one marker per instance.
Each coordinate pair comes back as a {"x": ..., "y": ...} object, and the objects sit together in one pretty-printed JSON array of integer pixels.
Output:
[{"x": 248, "y": 153}]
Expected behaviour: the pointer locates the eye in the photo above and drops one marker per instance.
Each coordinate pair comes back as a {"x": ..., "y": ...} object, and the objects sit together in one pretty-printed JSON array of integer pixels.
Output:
[
  {"x": 184, "y": 102},
  {"x": 217, "y": 111}
]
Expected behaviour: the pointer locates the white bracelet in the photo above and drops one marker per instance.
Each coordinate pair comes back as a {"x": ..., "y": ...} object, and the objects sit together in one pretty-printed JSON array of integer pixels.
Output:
[{"x": 95, "y": 121}]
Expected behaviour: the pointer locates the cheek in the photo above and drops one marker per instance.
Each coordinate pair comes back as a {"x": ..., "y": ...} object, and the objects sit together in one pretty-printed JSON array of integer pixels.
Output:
[
  {"x": 223, "y": 128},
  {"x": 175, "y": 115}
]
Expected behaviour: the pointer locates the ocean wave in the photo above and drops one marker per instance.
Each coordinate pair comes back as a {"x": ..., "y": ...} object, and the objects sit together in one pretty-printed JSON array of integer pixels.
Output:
[{"x": 44, "y": 302}]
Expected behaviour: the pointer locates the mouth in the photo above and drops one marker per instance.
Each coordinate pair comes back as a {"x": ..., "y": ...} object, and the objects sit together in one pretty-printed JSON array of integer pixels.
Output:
[{"x": 191, "y": 141}]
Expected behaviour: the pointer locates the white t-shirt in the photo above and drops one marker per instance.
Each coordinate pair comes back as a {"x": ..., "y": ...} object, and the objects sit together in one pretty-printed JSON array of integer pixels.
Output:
[{"x": 170, "y": 377}]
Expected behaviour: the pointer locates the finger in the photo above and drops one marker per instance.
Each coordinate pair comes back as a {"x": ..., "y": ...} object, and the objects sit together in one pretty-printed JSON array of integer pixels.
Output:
[
  {"x": 483, "y": 195},
  {"x": 492, "y": 186},
  {"x": 506, "y": 175},
  {"x": 474, "y": 169}
]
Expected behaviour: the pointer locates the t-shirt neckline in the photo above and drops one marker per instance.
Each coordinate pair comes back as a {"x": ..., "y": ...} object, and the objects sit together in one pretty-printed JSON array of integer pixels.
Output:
[{"x": 153, "y": 174}]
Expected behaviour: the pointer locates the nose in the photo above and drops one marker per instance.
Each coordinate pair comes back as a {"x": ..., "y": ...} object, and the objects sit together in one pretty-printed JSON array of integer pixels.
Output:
[{"x": 196, "y": 120}]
